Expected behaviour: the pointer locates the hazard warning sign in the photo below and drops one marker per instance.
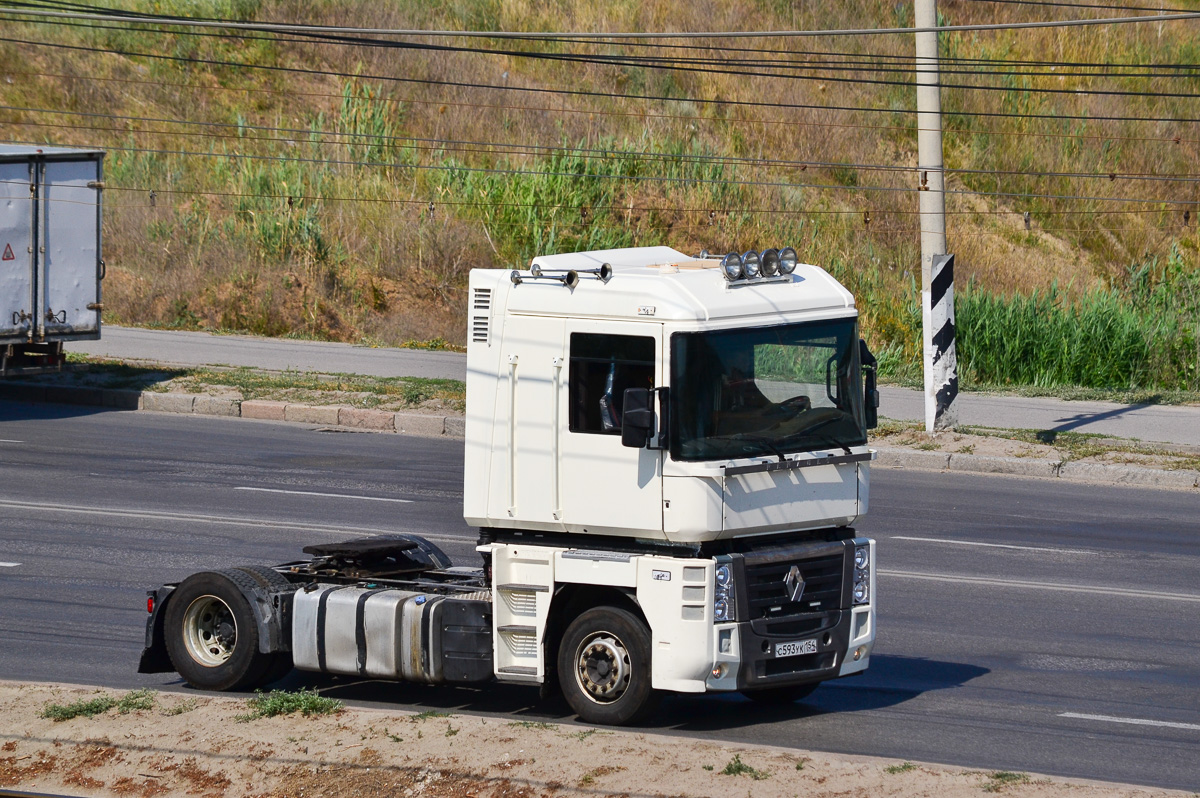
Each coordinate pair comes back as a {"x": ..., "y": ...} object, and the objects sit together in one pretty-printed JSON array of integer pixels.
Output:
[{"x": 8, "y": 253}]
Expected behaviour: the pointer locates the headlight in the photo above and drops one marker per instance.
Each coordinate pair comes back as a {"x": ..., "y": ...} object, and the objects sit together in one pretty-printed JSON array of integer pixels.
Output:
[
  {"x": 751, "y": 264},
  {"x": 731, "y": 266},
  {"x": 721, "y": 610},
  {"x": 787, "y": 260},
  {"x": 770, "y": 262},
  {"x": 724, "y": 604},
  {"x": 862, "y": 591},
  {"x": 862, "y": 558}
]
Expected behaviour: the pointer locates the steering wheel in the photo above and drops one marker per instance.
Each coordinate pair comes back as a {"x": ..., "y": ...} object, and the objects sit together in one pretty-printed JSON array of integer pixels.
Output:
[{"x": 792, "y": 407}]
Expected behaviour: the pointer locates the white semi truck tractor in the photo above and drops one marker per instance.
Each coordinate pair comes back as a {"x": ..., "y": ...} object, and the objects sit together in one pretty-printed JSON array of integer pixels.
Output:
[{"x": 665, "y": 457}]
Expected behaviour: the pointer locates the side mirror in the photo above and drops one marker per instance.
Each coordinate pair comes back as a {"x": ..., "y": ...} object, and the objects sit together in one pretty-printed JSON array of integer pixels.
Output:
[
  {"x": 637, "y": 417},
  {"x": 870, "y": 386}
]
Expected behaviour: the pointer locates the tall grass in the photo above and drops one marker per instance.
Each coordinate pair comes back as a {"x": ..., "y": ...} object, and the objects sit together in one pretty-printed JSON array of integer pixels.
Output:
[{"x": 1106, "y": 338}]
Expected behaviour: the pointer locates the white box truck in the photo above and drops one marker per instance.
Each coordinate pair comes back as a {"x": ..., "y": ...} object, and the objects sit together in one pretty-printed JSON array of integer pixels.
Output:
[
  {"x": 51, "y": 263},
  {"x": 665, "y": 456}
]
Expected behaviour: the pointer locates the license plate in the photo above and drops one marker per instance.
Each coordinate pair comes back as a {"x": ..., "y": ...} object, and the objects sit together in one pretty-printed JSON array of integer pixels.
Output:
[{"x": 795, "y": 648}]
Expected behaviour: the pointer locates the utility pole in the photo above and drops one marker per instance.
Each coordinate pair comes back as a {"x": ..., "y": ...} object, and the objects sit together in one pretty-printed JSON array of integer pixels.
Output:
[{"x": 937, "y": 268}]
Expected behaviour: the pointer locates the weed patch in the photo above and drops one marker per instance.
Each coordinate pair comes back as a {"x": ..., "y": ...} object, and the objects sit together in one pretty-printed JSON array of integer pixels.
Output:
[
  {"x": 283, "y": 702},
  {"x": 1002, "y": 778},
  {"x": 737, "y": 767},
  {"x": 130, "y": 702}
]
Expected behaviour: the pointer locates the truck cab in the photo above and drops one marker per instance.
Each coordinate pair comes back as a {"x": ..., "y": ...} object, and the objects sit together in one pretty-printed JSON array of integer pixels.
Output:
[{"x": 690, "y": 440}]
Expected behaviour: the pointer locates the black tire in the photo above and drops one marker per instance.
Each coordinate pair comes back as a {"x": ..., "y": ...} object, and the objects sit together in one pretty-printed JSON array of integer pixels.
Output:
[
  {"x": 604, "y": 667},
  {"x": 281, "y": 661},
  {"x": 211, "y": 634},
  {"x": 781, "y": 695}
]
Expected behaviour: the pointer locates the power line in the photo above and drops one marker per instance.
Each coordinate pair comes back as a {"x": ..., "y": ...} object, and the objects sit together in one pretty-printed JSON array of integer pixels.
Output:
[
  {"x": 590, "y": 94},
  {"x": 335, "y": 29},
  {"x": 631, "y": 178},
  {"x": 510, "y": 148},
  {"x": 759, "y": 52},
  {"x": 722, "y": 68}
]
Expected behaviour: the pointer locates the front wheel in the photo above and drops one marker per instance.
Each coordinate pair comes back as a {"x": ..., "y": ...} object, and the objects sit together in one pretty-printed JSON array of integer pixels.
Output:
[
  {"x": 212, "y": 636},
  {"x": 604, "y": 667}
]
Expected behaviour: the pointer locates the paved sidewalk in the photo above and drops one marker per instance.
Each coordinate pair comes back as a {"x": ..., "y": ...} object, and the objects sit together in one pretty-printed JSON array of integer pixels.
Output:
[{"x": 1160, "y": 423}]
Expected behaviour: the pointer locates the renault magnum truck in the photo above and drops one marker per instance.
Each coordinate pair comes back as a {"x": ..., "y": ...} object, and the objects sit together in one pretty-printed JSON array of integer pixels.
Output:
[{"x": 665, "y": 458}]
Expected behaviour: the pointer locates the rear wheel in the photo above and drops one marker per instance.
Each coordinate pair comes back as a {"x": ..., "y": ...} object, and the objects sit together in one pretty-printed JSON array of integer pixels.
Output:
[
  {"x": 212, "y": 636},
  {"x": 604, "y": 667},
  {"x": 781, "y": 695}
]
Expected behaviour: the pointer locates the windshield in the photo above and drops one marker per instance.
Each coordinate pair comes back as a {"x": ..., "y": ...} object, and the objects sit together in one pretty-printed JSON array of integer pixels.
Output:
[{"x": 766, "y": 391}]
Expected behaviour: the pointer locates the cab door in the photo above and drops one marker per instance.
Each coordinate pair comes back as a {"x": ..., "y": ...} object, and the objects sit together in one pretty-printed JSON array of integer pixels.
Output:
[{"x": 608, "y": 488}]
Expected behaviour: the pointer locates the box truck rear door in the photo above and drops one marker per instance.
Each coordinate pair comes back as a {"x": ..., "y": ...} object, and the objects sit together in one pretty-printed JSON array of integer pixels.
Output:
[{"x": 70, "y": 267}]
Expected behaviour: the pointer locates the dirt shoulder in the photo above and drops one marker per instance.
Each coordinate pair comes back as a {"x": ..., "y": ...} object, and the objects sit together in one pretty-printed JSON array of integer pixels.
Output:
[{"x": 153, "y": 744}]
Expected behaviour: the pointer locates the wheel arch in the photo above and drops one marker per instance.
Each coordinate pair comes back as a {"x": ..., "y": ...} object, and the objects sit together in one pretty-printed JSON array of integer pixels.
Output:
[{"x": 571, "y": 600}]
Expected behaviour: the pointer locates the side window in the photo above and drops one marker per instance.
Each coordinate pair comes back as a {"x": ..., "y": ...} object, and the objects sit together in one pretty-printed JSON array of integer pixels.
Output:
[{"x": 602, "y": 367}]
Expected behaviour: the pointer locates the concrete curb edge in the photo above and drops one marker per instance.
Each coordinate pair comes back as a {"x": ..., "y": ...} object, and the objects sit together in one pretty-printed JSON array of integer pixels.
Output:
[
  {"x": 421, "y": 424},
  {"x": 1028, "y": 467}
]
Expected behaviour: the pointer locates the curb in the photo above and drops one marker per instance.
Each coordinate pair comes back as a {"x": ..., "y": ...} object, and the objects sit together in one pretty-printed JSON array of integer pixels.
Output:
[
  {"x": 203, "y": 405},
  {"x": 455, "y": 427},
  {"x": 1136, "y": 476}
]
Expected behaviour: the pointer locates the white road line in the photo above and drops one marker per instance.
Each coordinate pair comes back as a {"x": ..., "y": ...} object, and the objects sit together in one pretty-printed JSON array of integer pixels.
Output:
[
  {"x": 992, "y": 545},
  {"x": 1062, "y": 588},
  {"x": 9, "y": 564},
  {"x": 333, "y": 495},
  {"x": 218, "y": 520},
  {"x": 2, "y": 440},
  {"x": 1132, "y": 721}
]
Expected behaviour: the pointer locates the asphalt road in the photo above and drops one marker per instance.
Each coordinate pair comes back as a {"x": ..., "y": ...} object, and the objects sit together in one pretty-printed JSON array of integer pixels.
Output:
[
  {"x": 1145, "y": 422},
  {"x": 1024, "y": 625}
]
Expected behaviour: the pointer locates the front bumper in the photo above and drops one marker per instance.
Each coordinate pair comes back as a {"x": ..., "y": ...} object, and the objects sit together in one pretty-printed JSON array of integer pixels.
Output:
[{"x": 746, "y": 659}]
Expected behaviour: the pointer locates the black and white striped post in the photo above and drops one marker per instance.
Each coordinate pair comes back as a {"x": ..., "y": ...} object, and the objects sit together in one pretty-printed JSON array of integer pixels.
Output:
[
  {"x": 937, "y": 268},
  {"x": 941, "y": 358}
]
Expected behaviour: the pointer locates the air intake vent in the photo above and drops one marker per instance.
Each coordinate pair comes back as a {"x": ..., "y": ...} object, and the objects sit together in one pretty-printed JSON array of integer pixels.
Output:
[{"x": 481, "y": 312}]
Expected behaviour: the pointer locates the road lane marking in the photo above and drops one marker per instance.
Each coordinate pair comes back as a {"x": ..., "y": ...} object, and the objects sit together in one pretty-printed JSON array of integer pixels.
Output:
[
  {"x": 333, "y": 495},
  {"x": 9, "y": 564},
  {"x": 1132, "y": 721},
  {"x": 2, "y": 440},
  {"x": 992, "y": 545},
  {"x": 219, "y": 520},
  {"x": 1017, "y": 583}
]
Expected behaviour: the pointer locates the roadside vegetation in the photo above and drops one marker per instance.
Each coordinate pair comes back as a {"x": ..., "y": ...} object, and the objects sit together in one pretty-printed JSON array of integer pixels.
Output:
[
  {"x": 348, "y": 198},
  {"x": 309, "y": 703},
  {"x": 90, "y": 707}
]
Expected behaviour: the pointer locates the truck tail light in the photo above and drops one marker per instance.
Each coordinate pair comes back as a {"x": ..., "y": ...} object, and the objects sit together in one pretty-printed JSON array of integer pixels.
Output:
[{"x": 150, "y": 604}]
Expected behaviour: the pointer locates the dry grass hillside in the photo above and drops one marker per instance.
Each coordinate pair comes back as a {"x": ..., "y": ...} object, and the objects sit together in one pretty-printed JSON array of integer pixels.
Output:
[{"x": 290, "y": 185}]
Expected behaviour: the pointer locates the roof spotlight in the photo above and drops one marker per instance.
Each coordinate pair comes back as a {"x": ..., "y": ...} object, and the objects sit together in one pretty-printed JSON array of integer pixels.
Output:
[
  {"x": 731, "y": 266},
  {"x": 787, "y": 260},
  {"x": 770, "y": 262},
  {"x": 752, "y": 264}
]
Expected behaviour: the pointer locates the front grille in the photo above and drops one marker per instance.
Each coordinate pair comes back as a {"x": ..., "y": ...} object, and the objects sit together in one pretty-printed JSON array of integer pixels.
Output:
[{"x": 767, "y": 592}]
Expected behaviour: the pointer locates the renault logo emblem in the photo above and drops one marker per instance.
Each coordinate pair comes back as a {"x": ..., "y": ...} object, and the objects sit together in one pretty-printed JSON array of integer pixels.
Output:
[{"x": 794, "y": 583}]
